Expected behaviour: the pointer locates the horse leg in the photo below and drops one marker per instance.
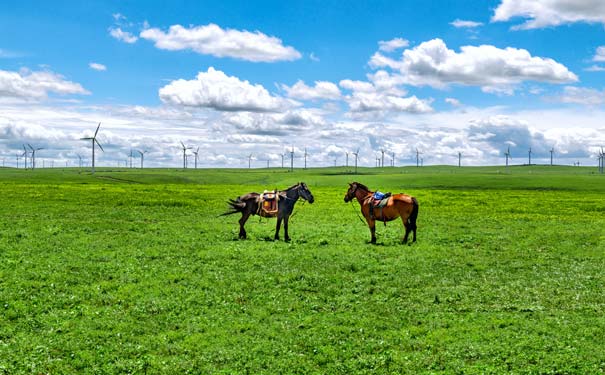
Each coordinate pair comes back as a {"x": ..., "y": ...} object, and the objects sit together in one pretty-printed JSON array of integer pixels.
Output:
[
  {"x": 277, "y": 227},
  {"x": 372, "y": 225},
  {"x": 286, "y": 236},
  {"x": 242, "y": 221},
  {"x": 407, "y": 230}
]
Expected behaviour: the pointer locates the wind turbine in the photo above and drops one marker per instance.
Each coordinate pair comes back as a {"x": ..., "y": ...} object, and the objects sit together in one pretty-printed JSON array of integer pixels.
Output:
[
  {"x": 79, "y": 160},
  {"x": 382, "y": 159},
  {"x": 459, "y": 159},
  {"x": 552, "y": 150},
  {"x": 347, "y": 160},
  {"x": 392, "y": 159},
  {"x": 418, "y": 153},
  {"x": 93, "y": 140},
  {"x": 306, "y": 157},
  {"x": 292, "y": 160},
  {"x": 34, "y": 155},
  {"x": 25, "y": 156},
  {"x": 507, "y": 154},
  {"x": 249, "y": 161},
  {"x": 185, "y": 148},
  {"x": 18, "y": 157},
  {"x": 194, "y": 153},
  {"x": 143, "y": 156},
  {"x": 356, "y": 156},
  {"x": 282, "y": 159},
  {"x": 529, "y": 156}
]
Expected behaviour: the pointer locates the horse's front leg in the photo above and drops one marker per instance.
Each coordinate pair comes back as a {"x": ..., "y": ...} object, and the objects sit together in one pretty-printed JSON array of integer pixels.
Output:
[
  {"x": 286, "y": 236},
  {"x": 372, "y": 225},
  {"x": 277, "y": 227}
]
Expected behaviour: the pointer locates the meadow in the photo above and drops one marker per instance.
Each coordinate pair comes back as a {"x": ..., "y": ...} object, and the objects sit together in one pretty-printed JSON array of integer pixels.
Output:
[{"x": 133, "y": 271}]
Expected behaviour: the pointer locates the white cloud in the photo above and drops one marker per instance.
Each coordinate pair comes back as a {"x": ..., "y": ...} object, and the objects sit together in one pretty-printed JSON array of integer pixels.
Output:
[
  {"x": 38, "y": 85},
  {"x": 212, "y": 40},
  {"x": 454, "y": 102},
  {"x": 123, "y": 36},
  {"x": 582, "y": 95},
  {"x": 493, "y": 69},
  {"x": 600, "y": 54},
  {"x": 321, "y": 90},
  {"x": 361, "y": 102},
  {"x": 97, "y": 66},
  {"x": 214, "y": 89},
  {"x": 393, "y": 44},
  {"x": 458, "y": 23},
  {"x": 595, "y": 68},
  {"x": 545, "y": 13}
]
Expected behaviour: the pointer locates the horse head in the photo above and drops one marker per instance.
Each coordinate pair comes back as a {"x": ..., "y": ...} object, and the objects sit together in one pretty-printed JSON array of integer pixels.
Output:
[
  {"x": 305, "y": 193},
  {"x": 351, "y": 192}
]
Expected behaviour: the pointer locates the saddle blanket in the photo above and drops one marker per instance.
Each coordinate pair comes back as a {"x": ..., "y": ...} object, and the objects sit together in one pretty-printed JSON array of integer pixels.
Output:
[{"x": 380, "y": 199}]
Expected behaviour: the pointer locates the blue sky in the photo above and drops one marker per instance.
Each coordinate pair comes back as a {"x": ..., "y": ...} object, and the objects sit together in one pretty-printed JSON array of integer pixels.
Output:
[{"x": 248, "y": 78}]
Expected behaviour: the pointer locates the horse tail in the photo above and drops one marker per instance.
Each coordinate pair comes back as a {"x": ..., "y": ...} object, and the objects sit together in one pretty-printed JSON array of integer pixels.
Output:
[
  {"x": 414, "y": 214},
  {"x": 235, "y": 206}
]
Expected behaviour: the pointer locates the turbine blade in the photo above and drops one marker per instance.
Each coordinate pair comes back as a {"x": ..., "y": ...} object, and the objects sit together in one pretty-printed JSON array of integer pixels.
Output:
[
  {"x": 95, "y": 136},
  {"x": 98, "y": 144},
  {"x": 30, "y": 146}
]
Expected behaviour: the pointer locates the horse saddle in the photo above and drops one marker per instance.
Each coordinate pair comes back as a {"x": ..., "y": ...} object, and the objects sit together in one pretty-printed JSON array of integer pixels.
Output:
[
  {"x": 269, "y": 202},
  {"x": 379, "y": 200}
]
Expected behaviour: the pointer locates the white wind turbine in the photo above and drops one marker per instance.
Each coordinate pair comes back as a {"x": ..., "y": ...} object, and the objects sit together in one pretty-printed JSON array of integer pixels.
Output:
[
  {"x": 185, "y": 148},
  {"x": 34, "y": 155},
  {"x": 142, "y": 156},
  {"x": 93, "y": 140}
]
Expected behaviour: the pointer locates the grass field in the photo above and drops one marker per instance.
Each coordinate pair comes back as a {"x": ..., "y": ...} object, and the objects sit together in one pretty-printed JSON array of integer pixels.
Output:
[{"x": 132, "y": 271}]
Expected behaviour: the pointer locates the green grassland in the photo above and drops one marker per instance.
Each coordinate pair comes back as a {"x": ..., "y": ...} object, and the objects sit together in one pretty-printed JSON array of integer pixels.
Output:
[{"x": 133, "y": 271}]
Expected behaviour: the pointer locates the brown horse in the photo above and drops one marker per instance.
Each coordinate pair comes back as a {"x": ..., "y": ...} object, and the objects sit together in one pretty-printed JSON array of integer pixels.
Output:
[
  {"x": 250, "y": 204},
  {"x": 399, "y": 205}
]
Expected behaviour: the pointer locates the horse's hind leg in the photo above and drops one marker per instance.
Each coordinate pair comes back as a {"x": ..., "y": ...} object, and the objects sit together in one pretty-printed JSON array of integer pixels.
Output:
[
  {"x": 407, "y": 228},
  {"x": 242, "y": 221}
]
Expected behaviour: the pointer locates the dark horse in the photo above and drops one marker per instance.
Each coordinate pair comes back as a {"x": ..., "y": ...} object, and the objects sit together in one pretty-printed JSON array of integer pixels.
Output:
[
  {"x": 250, "y": 204},
  {"x": 399, "y": 205}
]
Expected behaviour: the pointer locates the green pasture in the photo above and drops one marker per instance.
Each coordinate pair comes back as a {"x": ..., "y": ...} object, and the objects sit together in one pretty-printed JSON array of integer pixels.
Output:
[{"x": 133, "y": 272}]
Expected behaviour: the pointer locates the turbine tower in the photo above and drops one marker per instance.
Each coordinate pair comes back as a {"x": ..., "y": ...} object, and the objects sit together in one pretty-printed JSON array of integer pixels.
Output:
[
  {"x": 185, "y": 148},
  {"x": 507, "y": 154},
  {"x": 552, "y": 150},
  {"x": 418, "y": 153},
  {"x": 459, "y": 159},
  {"x": 143, "y": 156},
  {"x": 306, "y": 157},
  {"x": 292, "y": 160},
  {"x": 347, "y": 160},
  {"x": 79, "y": 160},
  {"x": 196, "y": 153},
  {"x": 93, "y": 140},
  {"x": 34, "y": 155},
  {"x": 25, "y": 157},
  {"x": 249, "y": 161},
  {"x": 382, "y": 158},
  {"x": 529, "y": 156},
  {"x": 356, "y": 156}
]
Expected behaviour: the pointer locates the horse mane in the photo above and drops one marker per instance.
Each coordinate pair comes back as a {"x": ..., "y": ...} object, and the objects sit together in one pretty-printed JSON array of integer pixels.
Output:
[
  {"x": 292, "y": 187},
  {"x": 362, "y": 186}
]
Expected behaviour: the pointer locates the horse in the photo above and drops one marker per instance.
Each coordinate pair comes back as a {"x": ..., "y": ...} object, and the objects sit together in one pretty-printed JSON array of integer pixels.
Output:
[
  {"x": 399, "y": 205},
  {"x": 250, "y": 204}
]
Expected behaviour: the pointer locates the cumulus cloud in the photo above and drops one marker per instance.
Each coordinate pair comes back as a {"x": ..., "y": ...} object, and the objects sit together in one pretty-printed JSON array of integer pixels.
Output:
[
  {"x": 214, "y": 89},
  {"x": 493, "y": 69},
  {"x": 212, "y": 40},
  {"x": 123, "y": 36},
  {"x": 97, "y": 67},
  {"x": 458, "y": 23},
  {"x": 321, "y": 90},
  {"x": 393, "y": 44},
  {"x": 545, "y": 13},
  {"x": 38, "y": 85}
]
